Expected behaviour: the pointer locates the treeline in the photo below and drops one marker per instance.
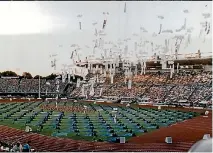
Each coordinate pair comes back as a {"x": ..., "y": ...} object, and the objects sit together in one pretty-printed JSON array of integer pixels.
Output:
[{"x": 26, "y": 75}]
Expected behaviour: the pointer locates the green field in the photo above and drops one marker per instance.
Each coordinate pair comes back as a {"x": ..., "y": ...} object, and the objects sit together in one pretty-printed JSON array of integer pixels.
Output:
[{"x": 97, "y": 125}]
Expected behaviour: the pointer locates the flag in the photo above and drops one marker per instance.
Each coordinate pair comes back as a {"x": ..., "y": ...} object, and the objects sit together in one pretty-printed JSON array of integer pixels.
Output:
[{"x": 125, "y": 8}]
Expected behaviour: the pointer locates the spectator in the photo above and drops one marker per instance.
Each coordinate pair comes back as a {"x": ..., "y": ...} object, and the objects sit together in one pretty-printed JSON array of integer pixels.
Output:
[
  {"x": 26, "y": 147},
  {"x": 17, "y": 147}
]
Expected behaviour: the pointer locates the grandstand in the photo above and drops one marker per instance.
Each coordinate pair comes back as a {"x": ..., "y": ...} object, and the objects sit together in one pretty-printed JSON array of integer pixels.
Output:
[
  {"x": 89, "y": 123},
  {"x": 116, "y": 89}
]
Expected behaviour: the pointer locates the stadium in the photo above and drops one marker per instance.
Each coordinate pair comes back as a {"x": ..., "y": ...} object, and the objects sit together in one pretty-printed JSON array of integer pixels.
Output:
[{"x": 119, "y": 101}]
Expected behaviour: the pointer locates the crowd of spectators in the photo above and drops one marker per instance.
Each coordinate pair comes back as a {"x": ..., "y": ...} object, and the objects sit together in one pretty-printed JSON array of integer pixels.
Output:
[
  {"x": 9, "y": 85},
  {"x": 52, "y": 87},
  {"x": 180, "y": 92},
  {"x": 201, "y": 93},
  {"x": 190, "y": 86},
  {"x": 158, "y": 93},
  {"x": 16, "y": 147},
  {"x": 29, "y": 85}
]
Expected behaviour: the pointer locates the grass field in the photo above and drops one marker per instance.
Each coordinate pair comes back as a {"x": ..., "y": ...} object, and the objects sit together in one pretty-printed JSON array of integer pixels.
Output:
[{"x": 96, "y": 124}]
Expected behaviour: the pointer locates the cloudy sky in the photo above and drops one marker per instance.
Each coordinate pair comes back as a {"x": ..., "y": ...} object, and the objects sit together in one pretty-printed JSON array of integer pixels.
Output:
[{"x": 31, "y": 31}]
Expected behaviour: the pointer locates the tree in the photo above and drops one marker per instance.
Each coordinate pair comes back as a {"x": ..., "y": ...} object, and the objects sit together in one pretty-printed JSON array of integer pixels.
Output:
[
  {"x": 27, "y": 75},
  {"x": 37, "y": 77},
  {"x": 51, "y": 77},
  {"x": 9, "y": 74}
]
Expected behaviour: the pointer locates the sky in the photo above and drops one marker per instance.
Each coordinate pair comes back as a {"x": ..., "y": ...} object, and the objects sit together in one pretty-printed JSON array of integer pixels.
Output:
[{"x": 32, "y": 31}]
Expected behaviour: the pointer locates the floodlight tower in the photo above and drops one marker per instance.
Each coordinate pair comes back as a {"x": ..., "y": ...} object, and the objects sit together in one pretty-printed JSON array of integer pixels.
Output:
[{"x": 39, "y": 88}]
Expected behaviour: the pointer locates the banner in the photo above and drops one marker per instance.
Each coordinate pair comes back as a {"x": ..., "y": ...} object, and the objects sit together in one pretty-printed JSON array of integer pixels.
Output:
[
  {"x": 136, "y": 69},
  {"x": 82, "y": 90},
  {"x": 111, "y": 79},
  {"x": 64, "y": 76},
  {"x": 69, "y": 78},
  {"x": 92, "y": 92},
  {"x": 3, "y": 77},
  {"x": 130, "y": 84},
  {"x": 104, "y": 73},
  {"x": 78, "y": 83},
  {"x": 101, "y": 92}
]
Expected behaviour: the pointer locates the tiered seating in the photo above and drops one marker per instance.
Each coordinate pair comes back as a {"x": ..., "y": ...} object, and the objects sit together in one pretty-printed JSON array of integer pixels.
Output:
[
  {"x": 52, "y": 87},
  {"x": 201, "y": 93},
  {"x": 180, "y": 93},
  {"x": 9, "y": 85},
  {"x": 29, "y": 85},
  {"x": 77, "y": 91},
  {"x": 160, "y": 88},
  {"x": 157, "y": 93}
]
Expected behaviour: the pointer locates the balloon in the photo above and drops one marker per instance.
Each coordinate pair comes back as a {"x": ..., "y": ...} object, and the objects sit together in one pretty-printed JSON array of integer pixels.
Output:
[
  {"x": 154, "y": 34},
  {"x": 185, "y": 11},
  {"x": 104, "y": 24},
  {"x": 94, "y": 23},
  {"x": 161, "y": 17},
  {"x": 167, "y": 31},
  {"x": 79, "y": 16},
  {"x": 206, "y": 15}
]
